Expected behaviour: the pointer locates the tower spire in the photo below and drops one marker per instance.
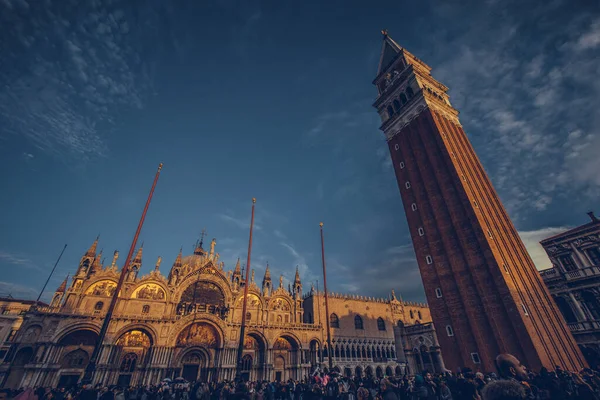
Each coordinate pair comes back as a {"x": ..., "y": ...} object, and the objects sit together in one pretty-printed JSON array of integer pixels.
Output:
[
  {"x": 92, "y": 250},
  {"x": 238, "y": 269},
  {"x": 199, "y": 250},
  {"x": 297, "y": 278},
  {"x": 63, "y": 286},
  {"x": 138, "y": 256}
]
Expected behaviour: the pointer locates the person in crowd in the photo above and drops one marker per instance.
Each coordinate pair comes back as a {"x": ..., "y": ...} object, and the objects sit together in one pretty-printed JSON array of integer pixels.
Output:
[{"x": 504, "y": 390}]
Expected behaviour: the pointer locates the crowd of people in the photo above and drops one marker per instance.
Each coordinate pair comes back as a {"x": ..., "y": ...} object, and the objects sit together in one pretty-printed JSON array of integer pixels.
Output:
[{"x": 514, "y": 382}]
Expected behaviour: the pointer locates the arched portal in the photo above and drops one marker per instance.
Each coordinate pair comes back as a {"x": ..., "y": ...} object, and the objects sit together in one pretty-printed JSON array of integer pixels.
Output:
[
  {"x": 398, "y": 371},
  {"x": 194, "y": 366},
  {"x": 369, "y": 372},
  {"x": 255, "y": 356},
  {"x": 17, "y": 369},
  {"x": 131, "y": 353},
  {"x": 348, "y": 372},
  {"x": 75, "y": 348},
  {"x": 389, "y": 371},
  {"x": 379, "y": 372},
  {"x": 287, "y": 348}
]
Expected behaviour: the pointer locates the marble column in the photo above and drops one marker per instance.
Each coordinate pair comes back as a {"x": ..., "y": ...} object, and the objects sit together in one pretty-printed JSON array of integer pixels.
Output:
[{"x": 577, "y": 306}]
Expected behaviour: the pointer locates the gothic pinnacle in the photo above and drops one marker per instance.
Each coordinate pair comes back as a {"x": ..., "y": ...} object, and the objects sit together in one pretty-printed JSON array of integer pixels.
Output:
[{"x": 92, "y": 250}]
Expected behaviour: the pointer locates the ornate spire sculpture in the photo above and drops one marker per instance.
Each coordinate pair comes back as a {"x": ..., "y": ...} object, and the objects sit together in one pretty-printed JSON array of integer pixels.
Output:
[
  {"x": 267, "y": 285},
  {"x": 157, "y": 266},
  {"x": 297, "y": 284},
  {"x": 135, "y": 265},
  {"x": 114, "y": 260},
  {"x": 59, "y": 294},
  {"x": 92, "y": 250},
  {"x": 174, "y": 273},
  {"x": 212, "y": 247}
]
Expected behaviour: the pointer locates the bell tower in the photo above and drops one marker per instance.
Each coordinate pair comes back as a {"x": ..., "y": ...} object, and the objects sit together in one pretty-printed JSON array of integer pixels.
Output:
[{"x": 485, "y": 294}]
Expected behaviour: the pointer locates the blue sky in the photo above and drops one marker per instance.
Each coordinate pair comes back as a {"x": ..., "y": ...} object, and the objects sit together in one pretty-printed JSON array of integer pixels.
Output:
[{"x": 272, "y": 100}]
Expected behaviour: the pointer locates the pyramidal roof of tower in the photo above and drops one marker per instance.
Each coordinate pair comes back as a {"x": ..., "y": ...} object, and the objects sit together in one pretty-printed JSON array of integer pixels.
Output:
[{"x": 389, "y": 51}]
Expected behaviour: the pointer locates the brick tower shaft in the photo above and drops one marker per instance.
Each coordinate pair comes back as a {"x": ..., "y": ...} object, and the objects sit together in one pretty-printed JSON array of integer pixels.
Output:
[{"x": 485, "y": 294}]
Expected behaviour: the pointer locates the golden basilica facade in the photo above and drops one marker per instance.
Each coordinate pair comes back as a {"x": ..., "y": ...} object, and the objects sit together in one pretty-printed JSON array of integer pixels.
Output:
[{"x": 188, "y": 324}]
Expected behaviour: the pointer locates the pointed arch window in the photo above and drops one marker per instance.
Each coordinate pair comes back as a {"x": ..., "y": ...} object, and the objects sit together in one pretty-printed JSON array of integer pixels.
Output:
[
  {"x": 334, "y": 321},
  {"x": 358, "y": 322},
  {"x": 380, "y": 324},
  {"x": 396, "y": 104},
  {"x": 409, "y": 92},
  {"x": 390, "y": 111},
  {"x": 146, "y": 309},
  {"x": 403, "y": 98}
]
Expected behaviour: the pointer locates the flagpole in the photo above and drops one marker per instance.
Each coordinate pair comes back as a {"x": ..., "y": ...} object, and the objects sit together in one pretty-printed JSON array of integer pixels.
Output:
[
  {"x": 50, "y": 276},
  {"x": 329, "y": 349},
  {"x": 91, "y": 367},
  {"x": 238, "y": 370}
]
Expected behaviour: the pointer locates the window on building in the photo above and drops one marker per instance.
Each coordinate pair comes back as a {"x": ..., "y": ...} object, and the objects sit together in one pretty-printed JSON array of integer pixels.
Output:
[
  {"x": 248, "y": 316},
  {"x": 429, "y": 260},
  {"x": 421, "y": 232},
  {"x": 247, "y": 362},
  {"x": 407, "y": 185},
  {"x": 396, "y": 105},
  {"x": 449, "y": 330},
  {"x": 409, "y": 92},
  {"x": 419, "y": 314},
  {"x": 99, "y": 305},
  {"x": 380, "y": 324},
  {"x": 390, "y": 111},
  {"x": 401, "y": 165},
  {"x": 145, "y": 309},
  {"x": 567, "y": 262},
  {"x": 11, "y": 335},
  {"x": 334, "y": 321},
  {"x": 411, "y": 314},
  {"x": 358, "y": 322},
  {"x": 594, "y": 255},
  {"x": 413, "y": 206},
  {"x": 396, "y": 146},
  {"x": 475, "y": 358},
  {"x": 403, "y": 98},
  {"x": 128, "y": 362},
  {"x": 438, "y": 293}
]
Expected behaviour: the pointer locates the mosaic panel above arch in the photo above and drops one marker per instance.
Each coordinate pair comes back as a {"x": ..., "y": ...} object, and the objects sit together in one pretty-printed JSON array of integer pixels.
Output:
[
  {"x": 253, "y": 301},
  {"x": 199, "y": 333},
  {"x": 279, "y": 304},
  {"x": 102, "y": 288},
  {"x": 149, "y": 291},
  {"x": 134, "y": 338}
]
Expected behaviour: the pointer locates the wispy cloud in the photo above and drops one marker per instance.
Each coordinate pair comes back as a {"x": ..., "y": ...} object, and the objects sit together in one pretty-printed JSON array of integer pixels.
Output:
[
  {"x": 244, "y": 224},
  {"x": 300, "y": 261},
  {"x": 18, "y": 260},
  {"x": 512, "y": 95},
  {"x": 68, "y": 81}
]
